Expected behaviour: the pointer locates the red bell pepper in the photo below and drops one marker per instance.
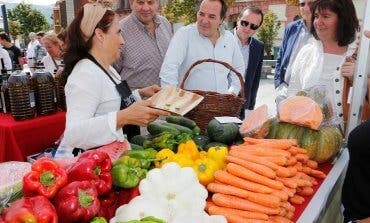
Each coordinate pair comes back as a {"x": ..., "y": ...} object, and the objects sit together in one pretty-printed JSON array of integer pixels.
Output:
[
  {"x": 31, "y": 210},
  {"x": 77, "y": 202},
  {"x": 93, "y": 166},
  {"x": 45, "y": 178},
  {"x": 126, "y": 195},
  {"x": 108, "y": 205}
]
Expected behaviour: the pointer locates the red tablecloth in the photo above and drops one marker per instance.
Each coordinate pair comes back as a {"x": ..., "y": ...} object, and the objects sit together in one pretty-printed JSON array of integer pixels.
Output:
[
  {"x": 300, "y": 208},
  {"x": 19, "y": 139}
]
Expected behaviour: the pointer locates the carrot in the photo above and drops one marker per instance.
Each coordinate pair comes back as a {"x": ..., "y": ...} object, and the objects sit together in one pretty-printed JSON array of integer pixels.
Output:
[
  {"x": 298, "y": 166},
  {"x": 280, "y": 219},
  {"x": 231, "y": 218},
  {"x": 290, "y": 215},
  {"x": 296, "y": 199},
  {"x": 244, "y": 173},
  {"x": 286, "y": 171},
  {"x": 300, "y": 150},
  {"x": 229, "y": 179},
  {"x": 217, "y": 210},
  {"x": 292, "y": 161},
  {"x": 208, "y": 204},
  {"x": 312, "y": 164},
  {"x": 258, "y": 168},
  {"x": 252, "y": 158},
  {"x": 305, "y": 191},
  {"x": 303, "y": 182},
  {"x": 302, "y": 157},
  {"x": 288, "y": 182},
  {"x": 288, "y": 206},
  {"x": 242, "y": 204},
  {"x": 282, "y": 143},
  {"x": 280, "y": 194},
  {"x": 293, "y": 151},
  {"x": 263, "y": 199},
  {"x": 314, "y": 173},
  {"x": 279, "y": 160},
  {"x": 264, "y": 150},
  {"x": 290, "y": 191}
]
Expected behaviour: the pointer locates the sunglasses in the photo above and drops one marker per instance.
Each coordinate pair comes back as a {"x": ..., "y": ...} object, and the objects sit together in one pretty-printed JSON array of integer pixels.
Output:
[
  {"x": 246, "y": 24},
  {"x": 303, "y": 4}
]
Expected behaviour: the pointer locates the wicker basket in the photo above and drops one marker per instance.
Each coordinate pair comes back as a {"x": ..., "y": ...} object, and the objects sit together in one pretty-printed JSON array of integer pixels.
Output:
[{"x": 215, "y": 104}]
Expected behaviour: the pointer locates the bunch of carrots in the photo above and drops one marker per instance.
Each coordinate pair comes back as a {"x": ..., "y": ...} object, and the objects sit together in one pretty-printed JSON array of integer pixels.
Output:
[{"x": 261, "y": 181}]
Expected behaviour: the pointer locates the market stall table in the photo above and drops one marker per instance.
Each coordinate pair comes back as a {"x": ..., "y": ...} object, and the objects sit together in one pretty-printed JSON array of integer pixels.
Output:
[{"x": 19, "y": 139}]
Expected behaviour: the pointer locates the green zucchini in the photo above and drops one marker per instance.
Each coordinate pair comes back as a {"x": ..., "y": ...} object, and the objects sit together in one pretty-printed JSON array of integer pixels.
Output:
[
  {"x": 180, "y": 120},
  {"x": 156, "y": 128},
  {"x": 139, "y": 139},
  {"x": 181, "y": 128}
]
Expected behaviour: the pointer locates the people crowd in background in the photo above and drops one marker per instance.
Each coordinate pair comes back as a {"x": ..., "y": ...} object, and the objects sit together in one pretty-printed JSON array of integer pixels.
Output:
[
  {"x": 147, "y": 36},
  {"x": 14, "y": 52},
  {"x": 296, "y": 35}
]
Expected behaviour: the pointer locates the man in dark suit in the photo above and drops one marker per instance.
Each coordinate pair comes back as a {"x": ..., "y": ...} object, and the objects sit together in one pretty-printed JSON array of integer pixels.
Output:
[{"x": 249, "y": 20}]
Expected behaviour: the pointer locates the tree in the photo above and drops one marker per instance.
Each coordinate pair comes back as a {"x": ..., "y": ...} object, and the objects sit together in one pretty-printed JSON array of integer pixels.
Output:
[
  {"x": 14, "y": 29},
  {"x": 30, "y": 20},
  {"x": 269, "y": 31}
]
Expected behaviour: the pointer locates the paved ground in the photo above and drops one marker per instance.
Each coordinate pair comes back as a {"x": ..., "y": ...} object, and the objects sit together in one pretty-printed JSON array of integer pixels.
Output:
[{"x": 266, "y": 94}]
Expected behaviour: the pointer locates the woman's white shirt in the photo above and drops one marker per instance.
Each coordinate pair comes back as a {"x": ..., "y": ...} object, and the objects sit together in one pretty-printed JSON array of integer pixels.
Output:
[
  {"x": 92, "y": 104},
  {"x": 314, "y": 68},
  {"x": 49, "y": 63}
]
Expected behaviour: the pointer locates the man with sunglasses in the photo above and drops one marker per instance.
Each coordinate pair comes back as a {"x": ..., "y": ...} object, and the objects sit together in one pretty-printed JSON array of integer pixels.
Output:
[
  {"x": 203, "y": 40},
  {"x": 296, "y": 35},
  {"x": 249, "y": 20}
]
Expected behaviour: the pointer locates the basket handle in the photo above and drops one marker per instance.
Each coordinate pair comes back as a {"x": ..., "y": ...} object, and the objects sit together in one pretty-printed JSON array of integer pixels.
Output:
[{"x": 219, "y": 62}]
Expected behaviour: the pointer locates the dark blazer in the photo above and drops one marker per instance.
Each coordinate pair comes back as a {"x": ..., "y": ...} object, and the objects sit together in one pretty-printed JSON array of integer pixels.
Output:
[
  {"x": 252, "y": 74},
  {"x": 290, "y": 36}
]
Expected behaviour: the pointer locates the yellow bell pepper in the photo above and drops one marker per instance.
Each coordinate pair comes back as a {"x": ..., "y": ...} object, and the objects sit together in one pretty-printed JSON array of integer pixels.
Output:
[
  {"x": 205, "y": 169},
  {"x": 189, "y": 148},
  {"x": 164, "y": 156},
  {"x": 183, "y": 160},
  {"x": 202, "y": 154},
  {"x": 218, "y": 154}
]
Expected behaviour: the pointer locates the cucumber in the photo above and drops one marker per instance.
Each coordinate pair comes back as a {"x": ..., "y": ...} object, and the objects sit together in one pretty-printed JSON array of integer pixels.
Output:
[
  {"x": 196, "y": 130},
  {"x": 180, "y": 120},
  {"x": 136, "y": 147},
  {"x": 156, "y": 128},
  {"x": 214, "y": 144},
  {"x": 139, "y": 139},
  {"x": 181, "y": 128}
]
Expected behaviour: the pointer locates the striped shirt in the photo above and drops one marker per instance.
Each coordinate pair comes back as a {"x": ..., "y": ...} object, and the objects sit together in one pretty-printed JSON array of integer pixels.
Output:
[{"x": 142, "y": 54}]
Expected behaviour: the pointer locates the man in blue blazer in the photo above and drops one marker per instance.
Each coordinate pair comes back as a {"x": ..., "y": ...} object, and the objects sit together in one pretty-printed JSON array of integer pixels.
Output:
[
  {"x": 249, "y": 20},
  {"x": 296, "y": 35}
]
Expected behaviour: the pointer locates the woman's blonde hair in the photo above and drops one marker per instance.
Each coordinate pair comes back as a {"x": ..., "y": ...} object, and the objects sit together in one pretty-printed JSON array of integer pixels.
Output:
[{"x": 52, "y": 37}]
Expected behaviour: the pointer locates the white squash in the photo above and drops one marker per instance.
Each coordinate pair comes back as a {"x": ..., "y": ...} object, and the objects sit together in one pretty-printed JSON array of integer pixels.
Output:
[
  {"x": 141, "y": 207},
  {"x": 200, "y": 217},
  {"x": 177, "y": 186}
]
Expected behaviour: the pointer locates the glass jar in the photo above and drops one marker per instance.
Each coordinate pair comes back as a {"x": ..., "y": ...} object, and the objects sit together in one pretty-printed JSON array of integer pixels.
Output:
[
  {"x": 42, "y": 83},
  {"x": 22, "y": 98}
]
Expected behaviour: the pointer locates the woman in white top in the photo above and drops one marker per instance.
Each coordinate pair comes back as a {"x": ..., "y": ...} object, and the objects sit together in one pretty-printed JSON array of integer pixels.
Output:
[
  {"x": 318, "y": 64},
  {"x": 53, "y": 60},
  {"x": 99, "y": 104}
]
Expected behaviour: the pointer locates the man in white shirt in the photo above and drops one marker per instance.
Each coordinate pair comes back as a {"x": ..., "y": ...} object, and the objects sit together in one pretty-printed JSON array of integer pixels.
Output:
[
  {"x": 31, "y": 49},
  {"x": 4, "y": 55},
  {"x": 202, "y": 40}
]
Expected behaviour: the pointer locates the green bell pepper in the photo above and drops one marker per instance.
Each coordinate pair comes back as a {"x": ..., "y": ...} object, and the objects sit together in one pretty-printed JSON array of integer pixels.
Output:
[
  {"x": 98, "y": 220},
  {"x": 151, "y": 219},
  {"x": 127, "y": 172},
  {"x": 145, "y": 156}
]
